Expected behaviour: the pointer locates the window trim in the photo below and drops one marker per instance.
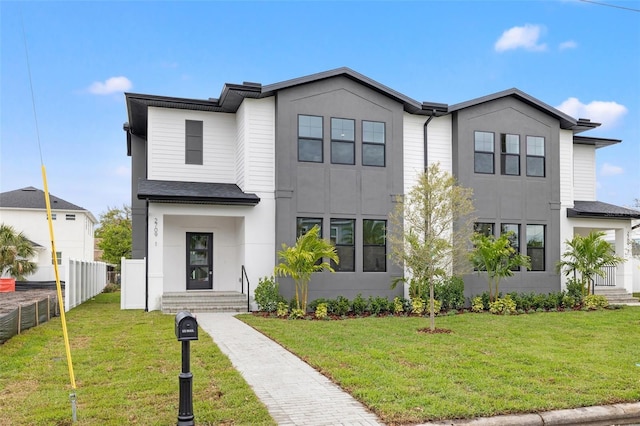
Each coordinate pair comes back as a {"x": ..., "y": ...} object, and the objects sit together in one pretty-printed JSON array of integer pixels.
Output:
[
  {"x": 544, "y": 156},
  {"x": 309, "y": 138},
  {"x": 384, "y": 245},
  {"x": 352, "y": 142},
  {"x": 504, "y": 154},
  {"x": 493, "y": 153},
  {"x": 371, "y": 143}
]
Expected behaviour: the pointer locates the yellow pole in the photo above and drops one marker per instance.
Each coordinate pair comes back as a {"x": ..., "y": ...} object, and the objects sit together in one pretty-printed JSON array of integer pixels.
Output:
[{"x": 58, "y": 287}]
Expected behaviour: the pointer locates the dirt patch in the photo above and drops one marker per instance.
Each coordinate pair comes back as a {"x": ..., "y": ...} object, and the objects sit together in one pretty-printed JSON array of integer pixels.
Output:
[{"x": 11, "y": 300}]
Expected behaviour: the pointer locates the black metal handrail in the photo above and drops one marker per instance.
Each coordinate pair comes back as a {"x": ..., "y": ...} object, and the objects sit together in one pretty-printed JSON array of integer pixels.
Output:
[{"x": 243, "y": 275}]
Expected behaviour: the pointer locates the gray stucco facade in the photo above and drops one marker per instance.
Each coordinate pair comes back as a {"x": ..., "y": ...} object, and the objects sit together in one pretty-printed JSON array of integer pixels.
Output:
[
  {"x": 512, "y": 199},
  {"x": 337, "y": 191}
]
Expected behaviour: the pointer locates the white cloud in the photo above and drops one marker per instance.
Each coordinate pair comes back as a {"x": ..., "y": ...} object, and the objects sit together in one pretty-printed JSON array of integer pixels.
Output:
[
  {"x": 610, "y": 170},
  {"x": 569, "y": 44},
  {"x": 525, "y": 37},
  {"x": 111, "y": 85},
  {"x": 607, "y": 113}
]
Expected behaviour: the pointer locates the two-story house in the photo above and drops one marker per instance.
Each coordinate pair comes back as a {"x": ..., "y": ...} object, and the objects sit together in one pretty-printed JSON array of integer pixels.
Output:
[
  {"x": 25, "y": 210},
  {"x": 219, "y": 185}
]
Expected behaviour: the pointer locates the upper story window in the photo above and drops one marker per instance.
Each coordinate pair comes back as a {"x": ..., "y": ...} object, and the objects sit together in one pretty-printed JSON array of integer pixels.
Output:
[
  {"x": 483, "y": 160},
  {"x": 193, "y": 142},
  {"x": 343, "y": 141},
  {"x": 70, "y": 217},
  {"x": 535, "y": 246},
  {"x": 343, "y": 238},
  {"x": 53, "y": 216},
  {"x": 510, "y": 154},
  {"x": 374, "y": 242},
  {"x": 535, "y": 156},
  {"x": 373, "y": 140},
  {"x": 310, "y": 138},
  {"x": 57, "y": 259}
]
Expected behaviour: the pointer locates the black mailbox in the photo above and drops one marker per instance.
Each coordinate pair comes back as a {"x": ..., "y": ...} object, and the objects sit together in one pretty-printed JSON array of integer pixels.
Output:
[{"x": 186, "y": 326}]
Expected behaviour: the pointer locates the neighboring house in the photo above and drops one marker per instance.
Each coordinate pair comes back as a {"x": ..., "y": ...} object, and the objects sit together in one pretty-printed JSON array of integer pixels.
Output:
[
  {"x": 219, "y": 185},
  {"x": 25, "y": 210}
]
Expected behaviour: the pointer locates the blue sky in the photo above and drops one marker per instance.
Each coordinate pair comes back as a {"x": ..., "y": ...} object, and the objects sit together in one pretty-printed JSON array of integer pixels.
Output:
[{"x": 579, "y": 56}]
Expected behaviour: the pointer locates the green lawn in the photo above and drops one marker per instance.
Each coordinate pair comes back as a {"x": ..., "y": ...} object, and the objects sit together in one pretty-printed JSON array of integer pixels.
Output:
[
  {"x": 488, "y": 365},
  {"x": 126, "y": 366}
]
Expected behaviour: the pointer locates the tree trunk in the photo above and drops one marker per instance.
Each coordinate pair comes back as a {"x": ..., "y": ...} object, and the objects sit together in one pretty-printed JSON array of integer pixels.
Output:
[{"x": 432, "y": 315}]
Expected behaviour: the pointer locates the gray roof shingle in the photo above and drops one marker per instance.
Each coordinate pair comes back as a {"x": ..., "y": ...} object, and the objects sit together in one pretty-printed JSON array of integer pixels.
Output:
[
  {"x": 194, "y": 192},
  {"x": 598, "y": 209},
  {"x": 33, "y": 198}
]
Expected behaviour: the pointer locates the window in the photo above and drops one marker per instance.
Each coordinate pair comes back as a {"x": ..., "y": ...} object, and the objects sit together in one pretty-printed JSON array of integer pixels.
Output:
[
  {"x": 374, "y": 250},
  {"x": 310, "y": 138},
  {"x": 343, "y": 237},
  {"x": 535, "y": 156},
  {"x": 510, "y": 158},
  {"x": 193, "y": 142},
  {"x": 70, "y": 217},
  {"x": 304, "y": 225},
  {"x": 53, "y": 216},
  {"x": 58, "y": 258},
  {"x": 342, "y": 141},
  {"x": 484, "y": 148},
  {"x": 514, "y": 238},
  {"x": 373, "y": 139},
  {"x": 483, "y": 228},
  {"x": 535, "y": 246}
]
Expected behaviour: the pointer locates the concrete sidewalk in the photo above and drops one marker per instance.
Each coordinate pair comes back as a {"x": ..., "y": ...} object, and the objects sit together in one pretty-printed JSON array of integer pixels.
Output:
[{"x": 296, "y": 394}]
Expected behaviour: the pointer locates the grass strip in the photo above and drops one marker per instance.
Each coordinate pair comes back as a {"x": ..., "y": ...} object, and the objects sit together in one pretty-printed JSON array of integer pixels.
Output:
[
  {"x": 126, "y": 365},
  {"x": 488, "y": 365}
]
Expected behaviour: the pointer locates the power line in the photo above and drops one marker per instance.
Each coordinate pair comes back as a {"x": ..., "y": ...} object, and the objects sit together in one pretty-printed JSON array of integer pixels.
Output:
[{"x": 611, "y": 5}]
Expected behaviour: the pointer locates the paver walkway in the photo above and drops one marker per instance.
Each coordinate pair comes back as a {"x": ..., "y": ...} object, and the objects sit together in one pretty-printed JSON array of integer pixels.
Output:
[{"x": 294, "y": 393}]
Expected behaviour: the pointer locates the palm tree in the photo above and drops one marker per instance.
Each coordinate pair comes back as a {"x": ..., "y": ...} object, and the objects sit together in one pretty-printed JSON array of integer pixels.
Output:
[
  {"x": 304, "y": 258},
  {"x": 588, "y": 256},
  {"x": 15, "y": 252}
]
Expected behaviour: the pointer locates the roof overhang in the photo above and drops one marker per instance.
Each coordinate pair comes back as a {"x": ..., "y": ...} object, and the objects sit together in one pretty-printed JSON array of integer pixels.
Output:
[
  {"x": 597, "y": 142},
  {"x": 194, "y": 193},
  {"x": 600, "y": 210}
]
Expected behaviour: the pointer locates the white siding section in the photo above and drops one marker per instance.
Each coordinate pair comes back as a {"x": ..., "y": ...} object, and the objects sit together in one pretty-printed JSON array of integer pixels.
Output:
[
  {"x": 240, "y": 144},
  {"x": 439, "y": 143},
  {"x": 166, "y": 146},
  {"x": 584, "y": 172},
  {"x": 259, "y": 145},
  {"x": 413, "y": 144},
  {"x": 566, "y": 168}
]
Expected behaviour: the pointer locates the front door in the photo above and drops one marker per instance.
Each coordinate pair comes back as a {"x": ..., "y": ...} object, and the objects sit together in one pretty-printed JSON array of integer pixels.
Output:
[{"x": 199, "y": 261}]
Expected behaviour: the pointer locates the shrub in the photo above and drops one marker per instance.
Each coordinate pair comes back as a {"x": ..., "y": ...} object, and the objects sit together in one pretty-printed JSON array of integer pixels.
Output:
[
  {"x": 314, "y": 304},
  {"x": 417, "y": 306},
  {"x": 111, "y": 288},
  {"x": 378, "y": 305},
  {"x": 477, "y": 305},
  {"x": 568, "y": 302},
  {"x": 341, "y": 306},
  {"x": 450, "y": 293},
  {"x": 574, "y": 289},
  {"x": 359, "y": 305},
  {"x": 595, "y": 301},
  {"x": 296, "y": 313},
  {"x": 267, "y": 294},
  {"x": 398, "y": 306},
  {"x": 503, "y": 306},
  {"x": 321, "y": 311},
  {"x": 283, "y": 309}
]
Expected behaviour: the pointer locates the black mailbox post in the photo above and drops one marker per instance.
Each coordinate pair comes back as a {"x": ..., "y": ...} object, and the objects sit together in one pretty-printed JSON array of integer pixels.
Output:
[{"x": 186, "y": 331}]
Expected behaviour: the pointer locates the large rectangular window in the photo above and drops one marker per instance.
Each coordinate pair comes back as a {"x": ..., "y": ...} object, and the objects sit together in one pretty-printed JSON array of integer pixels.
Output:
[
  {"x": 304, "y": 225},
  {"x": 535, "y": 156},
  {"x": 343, "y": 140},
  {"x": 535, "y": 246},
  {"x": 483, "y": 160},
  {"x": 193, "y": 142},
  {"x": 343, "y": 238},
  {"x": 483, "y": 228},
  {"x": 374, "y": 242},
  {"x": 514, "y": 237},
  {"x": 310, "y": 138},
  {"x": 510, "y": 154},
  {"x": 373, "y": 140}
]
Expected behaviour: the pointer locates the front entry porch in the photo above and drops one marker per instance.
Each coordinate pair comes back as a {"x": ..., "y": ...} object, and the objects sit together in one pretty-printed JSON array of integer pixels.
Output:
[{"x": 196, "y": 301}]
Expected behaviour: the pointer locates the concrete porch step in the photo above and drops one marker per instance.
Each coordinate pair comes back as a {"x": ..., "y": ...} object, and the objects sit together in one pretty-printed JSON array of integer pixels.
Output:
[
  {"x": 204, "y": 301},
  {"x": 616, "y": 295}
]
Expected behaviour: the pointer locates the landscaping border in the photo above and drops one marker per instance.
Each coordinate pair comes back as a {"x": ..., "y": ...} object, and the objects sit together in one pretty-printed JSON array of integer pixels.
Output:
[{"x": 25, "y": 317}]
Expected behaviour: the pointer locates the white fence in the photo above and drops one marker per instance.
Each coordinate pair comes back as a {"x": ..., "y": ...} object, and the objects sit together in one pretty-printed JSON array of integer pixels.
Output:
[
  {"x": 84, "y": 281},
  {"x": 133, "y": 279}
]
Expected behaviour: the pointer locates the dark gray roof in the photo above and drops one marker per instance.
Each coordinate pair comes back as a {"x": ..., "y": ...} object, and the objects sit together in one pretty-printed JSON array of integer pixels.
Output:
[
  {"x": 33, "y": 198},
  {"x": 566, "y": 121},
  {"x": 597, "y": 142},
  {"x": 600, "y": 210},
  {"x": 194, "y": 192}
]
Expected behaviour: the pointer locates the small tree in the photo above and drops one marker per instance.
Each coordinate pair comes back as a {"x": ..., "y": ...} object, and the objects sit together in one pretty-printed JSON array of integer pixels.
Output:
[
  {"x": 430, "y": 230},
  {"x": 497, "y": 258},
  {"x": 588, "y": 256},
  {"x": 303, "y": 259},
  {"x": 114, "y": 234},
  {"x": 15, "y": 252}
]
